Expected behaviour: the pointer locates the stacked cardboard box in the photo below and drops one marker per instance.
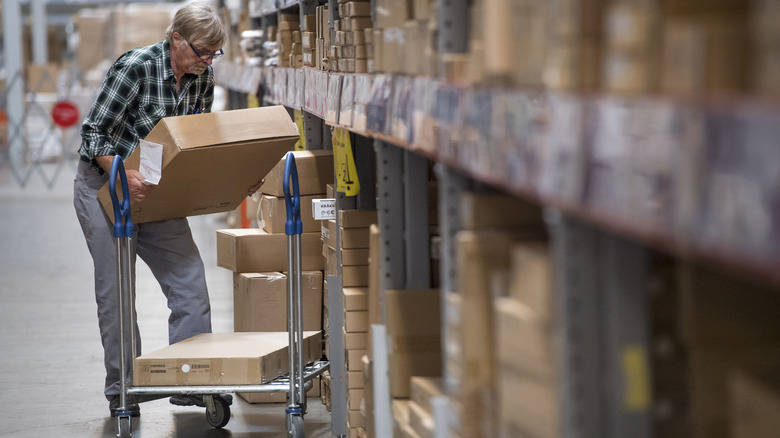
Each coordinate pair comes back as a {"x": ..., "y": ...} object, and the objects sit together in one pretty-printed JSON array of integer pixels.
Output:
[
  {"x": 288, "y": 40},
  {"x": 353, "y": 246},
  {"x": 350, "y": 47},
  {"x": 140, "y": 24},
  {"x": 575, "y": 32},
  {"x": 96, "y": 40},
  {"x": 630, "y": 60},
  {"x": 526, "y": 376},
  {"x": 515, "y": 41},
  {"x": 355, "y": 301},
  {"x": 706, "y": 47},
  {"x": 323, "y": 39},
  {"x": 257, "y": 256},
  {"x": 491, "y": 224}
]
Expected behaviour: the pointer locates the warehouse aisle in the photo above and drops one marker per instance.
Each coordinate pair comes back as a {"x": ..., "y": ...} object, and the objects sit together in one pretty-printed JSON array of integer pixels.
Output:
[{"x": 51, "y": 367}]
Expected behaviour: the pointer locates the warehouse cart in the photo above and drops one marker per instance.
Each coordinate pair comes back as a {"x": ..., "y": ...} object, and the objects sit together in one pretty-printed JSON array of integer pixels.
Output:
[{"x": 300, "y": 377}]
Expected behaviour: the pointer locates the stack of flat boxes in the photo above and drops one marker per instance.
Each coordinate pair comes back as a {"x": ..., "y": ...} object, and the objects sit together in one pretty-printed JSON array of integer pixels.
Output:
[
  {"x": 323, "y": 41},
  {"x": 288, "y": 40},
  {"x": 255, "y": 255},
  {"x": 630, "y": 57},
  {"x": 309, "y": 40},
  {"x": 491, "y": 225},
  {"x": 526, "y": 372},
  {"x": 350, "y": 45},
  {"x": 404, "y": 38},
  {"x": 354, "y": 249},
  {"x": 573, "y": 56}
]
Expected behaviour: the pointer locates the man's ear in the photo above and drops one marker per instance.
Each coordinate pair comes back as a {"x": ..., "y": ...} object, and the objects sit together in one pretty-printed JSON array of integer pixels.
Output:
[{"x": 177, "y": 39}]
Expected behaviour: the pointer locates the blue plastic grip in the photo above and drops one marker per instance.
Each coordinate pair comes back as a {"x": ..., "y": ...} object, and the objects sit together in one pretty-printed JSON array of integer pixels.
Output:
[
  {"x": 123, "y": 224},
  {"x": 293, "y": 224}
]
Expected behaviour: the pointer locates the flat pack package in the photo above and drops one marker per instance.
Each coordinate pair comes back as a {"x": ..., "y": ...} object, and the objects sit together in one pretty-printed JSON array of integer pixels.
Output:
[{"x": 209, "y": 161}]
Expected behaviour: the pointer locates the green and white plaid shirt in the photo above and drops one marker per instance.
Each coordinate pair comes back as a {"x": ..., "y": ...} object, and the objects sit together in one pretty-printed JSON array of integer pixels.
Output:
[{"x": 138, "y": 91}]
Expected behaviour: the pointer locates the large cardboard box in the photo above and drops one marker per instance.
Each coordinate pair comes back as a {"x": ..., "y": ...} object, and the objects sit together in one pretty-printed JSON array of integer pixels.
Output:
[
  {"x": 222, "y": 359},
  {"x": 254, "y": 250},
  {"x": 755, "y": 406},
  {"x": 315, "y": 172},
  {"x": 210, "y": 160},
  {"x": 260, "y": 301},
  {"x": 272, "y": 214},
  {"x": 414, "y": 337},
  {"x": 351, "y": 238}
]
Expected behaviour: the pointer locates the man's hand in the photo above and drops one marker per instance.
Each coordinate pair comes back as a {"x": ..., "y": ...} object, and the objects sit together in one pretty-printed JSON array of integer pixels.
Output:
[
  {"x": 138, "y": 190},
  {"x": 255, "y": 188},
  {"x": 135, "y": 181}
]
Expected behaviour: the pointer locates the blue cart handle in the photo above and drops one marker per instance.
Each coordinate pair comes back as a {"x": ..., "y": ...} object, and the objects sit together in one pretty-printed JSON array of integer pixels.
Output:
[
  {"x": 123, "y": 224},
  {"x": 293, "y": 225}
]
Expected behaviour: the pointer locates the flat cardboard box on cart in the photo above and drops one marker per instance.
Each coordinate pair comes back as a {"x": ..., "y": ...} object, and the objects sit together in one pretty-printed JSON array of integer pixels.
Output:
[{"x": 210, "y": 160}]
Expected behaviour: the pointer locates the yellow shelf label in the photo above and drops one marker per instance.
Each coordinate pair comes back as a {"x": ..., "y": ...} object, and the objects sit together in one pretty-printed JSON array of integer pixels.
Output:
[
  {"x": 298, "y": 118},
  {"x": 637, "y": 379},
  {"x": 346, "y": 173}
]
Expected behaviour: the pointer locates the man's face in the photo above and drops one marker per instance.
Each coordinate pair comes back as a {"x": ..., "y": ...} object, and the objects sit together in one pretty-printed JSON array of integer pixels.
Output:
[{"x": 191, "y": 58}]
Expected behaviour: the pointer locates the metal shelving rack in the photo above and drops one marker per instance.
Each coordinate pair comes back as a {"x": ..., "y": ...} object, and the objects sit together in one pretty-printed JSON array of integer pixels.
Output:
[{"x": 600, "y": 256}]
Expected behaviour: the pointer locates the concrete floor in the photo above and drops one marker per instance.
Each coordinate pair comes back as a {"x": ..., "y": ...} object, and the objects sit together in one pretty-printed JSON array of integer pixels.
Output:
[{"x": 51, "y": 366}]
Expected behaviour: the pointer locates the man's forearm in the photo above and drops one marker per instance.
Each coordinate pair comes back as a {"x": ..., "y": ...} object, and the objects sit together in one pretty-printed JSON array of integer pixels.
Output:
[{"x": 105, "y": 161}]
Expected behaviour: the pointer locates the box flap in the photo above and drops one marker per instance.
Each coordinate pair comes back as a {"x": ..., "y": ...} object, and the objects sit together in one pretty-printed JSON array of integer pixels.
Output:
[{"x": 224, "y": 127}]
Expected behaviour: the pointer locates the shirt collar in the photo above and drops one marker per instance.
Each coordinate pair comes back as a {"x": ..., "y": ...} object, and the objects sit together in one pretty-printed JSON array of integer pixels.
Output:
[{"x": 167, "y": 68}]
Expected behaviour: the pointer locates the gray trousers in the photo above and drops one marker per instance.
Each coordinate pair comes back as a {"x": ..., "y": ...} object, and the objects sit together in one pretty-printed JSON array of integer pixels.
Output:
[{"x": 166, "y": 247}]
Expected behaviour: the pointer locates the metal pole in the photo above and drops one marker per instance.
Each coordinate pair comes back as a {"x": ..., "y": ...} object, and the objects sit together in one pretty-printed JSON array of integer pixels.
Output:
[
  {"x": 12, "y": 45},
  {"x": 39, "y": 33},
  {"x": 291, "y": 320}
]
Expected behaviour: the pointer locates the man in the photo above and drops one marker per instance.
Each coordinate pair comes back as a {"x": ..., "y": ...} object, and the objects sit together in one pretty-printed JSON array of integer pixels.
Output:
[{"x": 173, "y": 77}]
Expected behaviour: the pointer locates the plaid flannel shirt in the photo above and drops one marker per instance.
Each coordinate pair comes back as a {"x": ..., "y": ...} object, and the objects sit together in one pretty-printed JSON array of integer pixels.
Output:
[{"x": 138, "y": 91}]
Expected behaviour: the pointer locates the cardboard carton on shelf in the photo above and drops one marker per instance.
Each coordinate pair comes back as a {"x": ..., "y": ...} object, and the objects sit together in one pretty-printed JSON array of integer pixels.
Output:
[
  {"x": 210, "y": 160},
  {"x": 254, "y": 250},
  {"x": 260, "y": 301},
  {"x": 315, "y": 171}
]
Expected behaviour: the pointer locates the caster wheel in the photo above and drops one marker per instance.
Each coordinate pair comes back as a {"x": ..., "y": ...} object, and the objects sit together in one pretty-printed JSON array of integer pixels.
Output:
[
  {"x": 297, "y": 427},
  {"x": 221, "y": 415},
  {"x": 123, "y": 427}
]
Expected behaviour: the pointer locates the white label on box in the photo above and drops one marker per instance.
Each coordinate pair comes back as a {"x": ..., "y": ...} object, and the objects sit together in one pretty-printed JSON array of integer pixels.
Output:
[{"x": 323, "y": 209}]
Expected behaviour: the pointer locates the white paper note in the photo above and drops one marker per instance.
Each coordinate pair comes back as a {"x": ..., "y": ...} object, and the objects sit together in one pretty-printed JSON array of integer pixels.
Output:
[{"x": 151, "y": 162}]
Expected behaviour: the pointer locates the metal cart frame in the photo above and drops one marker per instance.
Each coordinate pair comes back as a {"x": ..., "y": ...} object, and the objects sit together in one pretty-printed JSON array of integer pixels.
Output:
[{"x": 217, "y": 408}]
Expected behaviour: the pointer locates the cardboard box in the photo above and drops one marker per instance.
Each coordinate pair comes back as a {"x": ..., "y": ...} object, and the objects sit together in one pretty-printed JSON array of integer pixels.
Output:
[
  {"x": 414, "y": 337},
  {"x": 210, "y": 160},
  {"x": 354, "y": 419},
  {"x": 272, "y": 214},
  {"x": 222, "y": 359},
  {"x": 357, "y": 218},
  {"x": 356, "y": 321},
  {"x": 374, "y": 277},
  {"x": 43, "y": 78},
  {"x": 531, "y": 278},
  {"x": 315, "y": 171},
  {"x": 355, "y": 379},
  {"x": 524, "y": 341},
  {"x": 355, "y": 360},
  {"x": 482, "y": 210},
  {"x": 349, "y": 256},
  {"x": 528, "y": 405},
  {"x": 279, "y": 397},
  {"x": 355, "y": 340},
  {"x": 260, "y": 301},
  {"x": 354, "y": 276},
  {"x": 355, "y": 396},
  {"x": 254, "y": 250},
  {"x": 351, "y": 238},
  {"x": 355, "y": 298}
]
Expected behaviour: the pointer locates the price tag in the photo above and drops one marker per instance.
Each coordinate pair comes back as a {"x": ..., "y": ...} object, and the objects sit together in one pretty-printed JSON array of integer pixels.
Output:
[
  {"x": 323, "y": 209},
  {"x": 346, "y": 173}
]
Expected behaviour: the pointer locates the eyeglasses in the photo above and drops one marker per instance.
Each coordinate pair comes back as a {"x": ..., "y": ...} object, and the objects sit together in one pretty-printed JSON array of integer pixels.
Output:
[{"x": 213, "y": 56}]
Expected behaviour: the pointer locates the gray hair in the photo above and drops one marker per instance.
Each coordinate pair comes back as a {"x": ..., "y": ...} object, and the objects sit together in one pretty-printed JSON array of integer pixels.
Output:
[{"x": 198, "y": 24}]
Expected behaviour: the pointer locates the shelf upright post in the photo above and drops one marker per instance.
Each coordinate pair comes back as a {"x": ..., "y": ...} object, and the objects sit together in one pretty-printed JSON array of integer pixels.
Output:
[
  {"x": 338, "y": 366},
  {"x": 416, "y": 230},
  {"x": 312, "y": 126},
  {"x": 390, "y": 215},
  {"x": 451, "y": 185},
  {"x": 626, "y": 339},
  {"x": 365, "y": 162},
  {"x": 453, "y": 26},
  {"x": 576, "y": 259},
  {"x": 14, "y": 95}
]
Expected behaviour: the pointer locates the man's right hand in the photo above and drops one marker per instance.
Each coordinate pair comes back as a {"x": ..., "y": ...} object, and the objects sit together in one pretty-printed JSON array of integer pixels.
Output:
[
  {"x": 138, "y": 190},
  {"x": 135, "y": 181}
]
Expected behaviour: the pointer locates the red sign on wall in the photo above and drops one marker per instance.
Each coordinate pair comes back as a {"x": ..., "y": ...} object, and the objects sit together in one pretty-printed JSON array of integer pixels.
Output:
[{"x": 65, "y": 114}]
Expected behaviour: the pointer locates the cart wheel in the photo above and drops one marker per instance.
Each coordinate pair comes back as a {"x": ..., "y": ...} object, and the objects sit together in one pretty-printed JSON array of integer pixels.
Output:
[
  {"x": 297, "y": 427},
  {"x": 221, "y": 415},
  {"x": 123, "y": 427}
]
